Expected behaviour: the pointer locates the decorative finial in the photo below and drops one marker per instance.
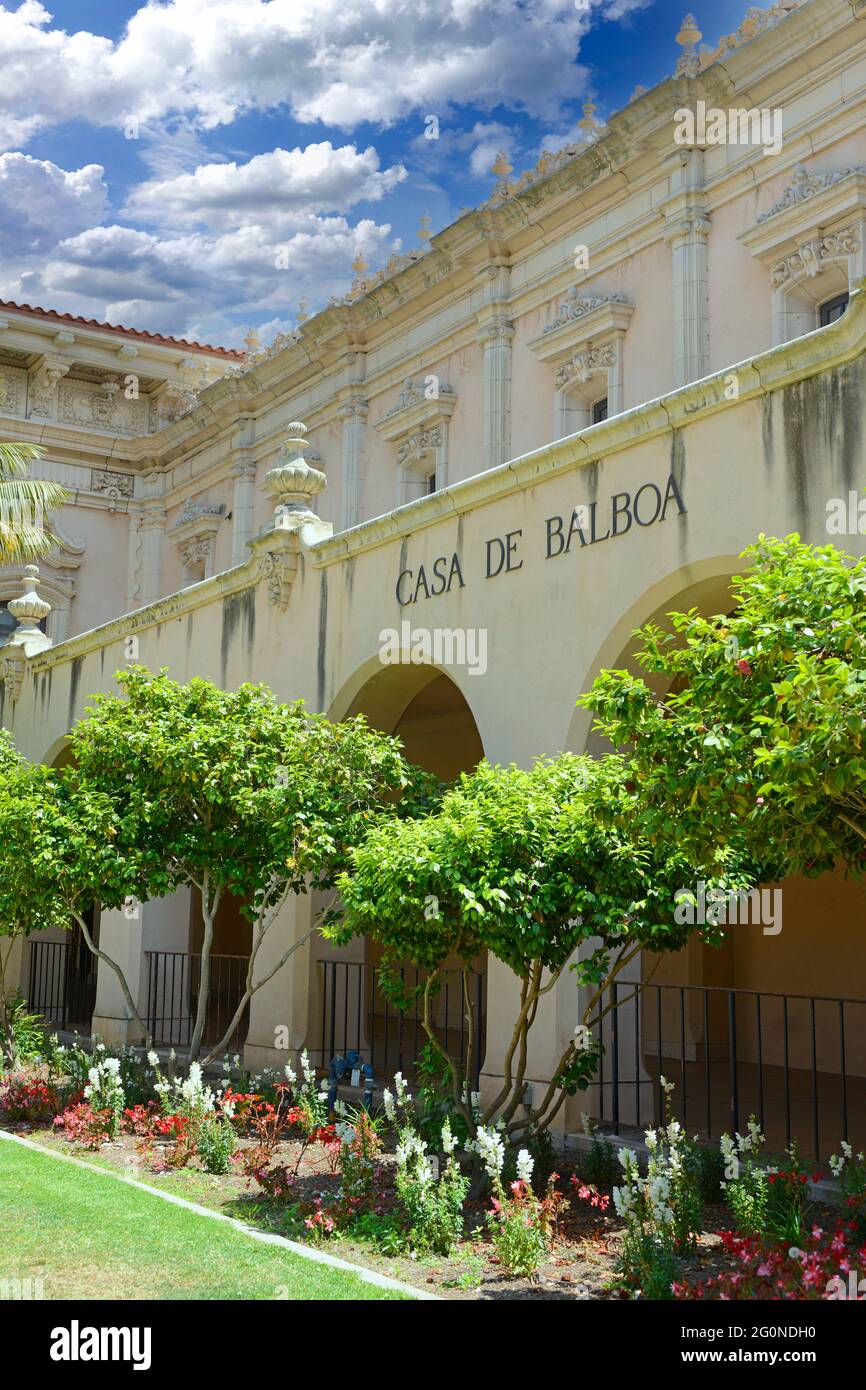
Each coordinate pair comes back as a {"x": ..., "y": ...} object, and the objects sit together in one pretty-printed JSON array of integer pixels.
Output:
[
  {"x": 589, "y": 125},
  {"x": 30, "y": 610},
  {"x": 251, "y": 341},
  {"x": 293, "y": 484},
  {"x": 359, "y": 265},
  {"x": 424, "y": 231},
  {"x": 689, "y": 36},
  {"x": 501, "y": 167},
  {"x": 303, "y": 311}
]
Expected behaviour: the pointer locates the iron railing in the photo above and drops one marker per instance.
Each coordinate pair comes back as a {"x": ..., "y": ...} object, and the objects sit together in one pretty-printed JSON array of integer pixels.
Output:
[
  {"x": 172, "y": 997},
  {"x": 62, "y": 983},
  {"x": 798, "y": 1062},
  {"x": 357, "y": 1014}
]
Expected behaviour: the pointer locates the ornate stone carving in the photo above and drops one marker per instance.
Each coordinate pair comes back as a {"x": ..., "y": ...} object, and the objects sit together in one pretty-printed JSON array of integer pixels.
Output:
[
  {"x": 194, "y": 510},
  {"x": 112, "y": 485},
  {"x": 757, "y": 21},
  {"x": 810, "y": 258},
  {"x": 43, "y": 388},
  {"x": 416, "y": 444},
  {"x": 575, "y": 306},
  {"x": 197, "y": 552},
  {"x": 804, "y": 186},
  {"x": 585, "y": 364},
  {"x": 102, "y": 407},
  {"x": 12, "y": 384},
  {"x": 277, "y": 569},
  {"x": 412, "y": 393}
]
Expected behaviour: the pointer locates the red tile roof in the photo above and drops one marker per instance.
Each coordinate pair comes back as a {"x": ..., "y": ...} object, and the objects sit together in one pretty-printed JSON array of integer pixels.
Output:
[{"x": 141, "y": 333}]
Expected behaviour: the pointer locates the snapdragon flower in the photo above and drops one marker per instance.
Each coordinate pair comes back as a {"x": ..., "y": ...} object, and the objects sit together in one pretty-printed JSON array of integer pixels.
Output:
[
  {"x": 490, "y": 1148},
  {"x": 525, "y": 1165}
]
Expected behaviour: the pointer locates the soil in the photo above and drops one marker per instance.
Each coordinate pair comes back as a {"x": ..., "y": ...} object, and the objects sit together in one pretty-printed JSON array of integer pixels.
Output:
[{"x": 581, "y": 1264}]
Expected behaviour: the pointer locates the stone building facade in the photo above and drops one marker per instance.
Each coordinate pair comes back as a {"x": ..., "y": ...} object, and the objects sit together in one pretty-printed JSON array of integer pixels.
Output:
[{"x": 565, "y": 414}]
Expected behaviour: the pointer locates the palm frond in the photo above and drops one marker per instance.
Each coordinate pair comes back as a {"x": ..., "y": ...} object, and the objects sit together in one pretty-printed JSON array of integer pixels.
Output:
[
  {"x": 24, "y": 504},
  {"x": 15, "y": 459}
]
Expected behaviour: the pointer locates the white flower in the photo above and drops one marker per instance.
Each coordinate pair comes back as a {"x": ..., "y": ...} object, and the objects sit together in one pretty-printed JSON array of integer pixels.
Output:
[
  {"x": 390, "y": 1107},
  {"x": 449, "y": 1142},
  {"x": 490, "y": 1148},
  {"x": 308, "y": 1073},
  {"x": 290, "y": 1074},
  {"x": 525, "y": 1165},
  {"x": 153, "y": 1058}
]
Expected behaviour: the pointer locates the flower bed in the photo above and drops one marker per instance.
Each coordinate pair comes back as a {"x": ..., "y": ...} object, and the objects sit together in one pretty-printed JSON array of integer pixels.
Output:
[{"x": 399, "y": 1191}]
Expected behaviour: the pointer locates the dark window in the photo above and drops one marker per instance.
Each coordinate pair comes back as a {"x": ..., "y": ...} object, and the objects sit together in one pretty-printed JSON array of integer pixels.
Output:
[
  {"x": 599, "y": 410},
  {"x": 431, "y": 482},
  {"x": 7, "y": 623},
  {"x": 833, "y": 309}
]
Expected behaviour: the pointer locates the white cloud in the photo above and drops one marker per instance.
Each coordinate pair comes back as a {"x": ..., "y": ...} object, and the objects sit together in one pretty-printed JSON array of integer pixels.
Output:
[
  {"x": 196, "y": 284},
  {"x": 324, "y": 60},
  {"x": 270, "y": 190},
  {"x": 40, "y": 202}
]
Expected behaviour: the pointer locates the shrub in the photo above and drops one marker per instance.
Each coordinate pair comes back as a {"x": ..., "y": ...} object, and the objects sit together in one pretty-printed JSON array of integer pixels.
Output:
[
  {"x": 850, "y": 1173},
  {"x": 763, "y": 1200},
  {"x": 816, "y": 1269},
  {"x": 27, "y": 1042},
  {"x": 521, "y": 1224},
  {"x": 215, "y": 1143},
  {"x": 35, "y": 1102},
  {"x": 598, "y": 1165},
  {"x": 431, "y": 1200},
  {"x": 83, "y": 1125},
  {"x": 662, "y": 1211},
  {"x": 360, "y": 1146},
  {"x": 104, "y": 1092}
]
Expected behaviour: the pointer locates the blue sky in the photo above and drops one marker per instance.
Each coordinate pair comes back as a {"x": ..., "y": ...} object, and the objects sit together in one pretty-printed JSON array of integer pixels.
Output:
[{"x": 195, "y": 166}]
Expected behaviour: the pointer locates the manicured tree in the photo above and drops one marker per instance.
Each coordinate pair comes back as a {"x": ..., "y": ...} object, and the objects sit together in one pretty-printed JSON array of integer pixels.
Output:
[
  {"x": 761, "y": 739},
  {"x": 58, "y": 855},
  {"x": 529, "y": 866},
  {"x": 234, "y": 792}
]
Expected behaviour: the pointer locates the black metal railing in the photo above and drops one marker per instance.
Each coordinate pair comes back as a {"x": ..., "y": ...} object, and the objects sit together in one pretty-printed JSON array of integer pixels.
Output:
[
  {"x": 62, "y": 983},
  {"x": 357, "y": 1014},
  {"x": 173, "y": 991},
  {"x": 797, "y": 1062}
]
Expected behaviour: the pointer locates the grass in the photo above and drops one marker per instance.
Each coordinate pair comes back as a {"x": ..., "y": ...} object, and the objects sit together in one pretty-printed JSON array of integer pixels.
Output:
[{"x": 91, "y": 1237}]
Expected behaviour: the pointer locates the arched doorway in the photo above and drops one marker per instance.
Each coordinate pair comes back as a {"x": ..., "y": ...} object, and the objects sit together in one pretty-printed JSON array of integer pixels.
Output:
[
  {"x": 773, "y": 1022},
  {"x": 426, "y": 709}
]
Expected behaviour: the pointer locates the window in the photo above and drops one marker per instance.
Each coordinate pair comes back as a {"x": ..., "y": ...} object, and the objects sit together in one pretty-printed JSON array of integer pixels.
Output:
[
  {"x": 7, "y": 623},
  {"x": 833, "y": 309},
  {"x": 431, "y": 482},
  {"x": 599, "y": 410}
]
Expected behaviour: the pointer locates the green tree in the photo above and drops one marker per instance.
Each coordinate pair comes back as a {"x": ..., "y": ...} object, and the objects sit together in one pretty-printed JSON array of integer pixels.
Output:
[
  {"x": 758, "y": 739},
  {"x": 58, "y": 855},
  {"x": 529, "y": 866},
  {"x": 234, "y": 792},
  {"x": 24, "y": 502}
]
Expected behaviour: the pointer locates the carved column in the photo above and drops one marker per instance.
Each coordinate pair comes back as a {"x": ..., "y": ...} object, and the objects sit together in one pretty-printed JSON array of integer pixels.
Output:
[
  {"x": 152, "y": 530},
  {"x": 353, "y": 413},
  {"x": 495, "y": 337},
  {"x": 687, "y": 227},
  {"x": 243, "y": 471}
]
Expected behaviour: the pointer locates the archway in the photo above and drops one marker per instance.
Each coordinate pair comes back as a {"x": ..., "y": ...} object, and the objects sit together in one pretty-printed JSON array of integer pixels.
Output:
[
  {"x": 773, "y": 1022},
  {"x": 426, "y": 709}
]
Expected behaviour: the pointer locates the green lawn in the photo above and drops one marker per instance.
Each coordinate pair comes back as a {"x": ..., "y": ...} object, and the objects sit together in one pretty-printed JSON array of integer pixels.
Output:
[{"x": 95, "y": 1237}]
